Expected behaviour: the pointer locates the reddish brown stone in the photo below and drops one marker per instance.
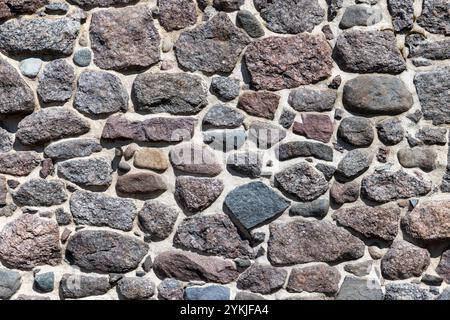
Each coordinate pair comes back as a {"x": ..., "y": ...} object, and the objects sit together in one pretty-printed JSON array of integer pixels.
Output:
[
  {"x": 315, "y": 126},
  {"x": 260, "y": 104},
  {"x": 319, "y": 278},
  {"x": 194, "y": 159},
  {"x": 177, "y": 14},
  {"x": 443, "y": 269},
  {"x": 19, "y": 163},
  {"x": 196, "y": 194},
  {"x": 277, "y": 63},
  {"x": 11, "y": 8},
  {"x": 140, "y": 183},
  {"x": 263, "y": 279},
  {"x": 344, "y": 192}
]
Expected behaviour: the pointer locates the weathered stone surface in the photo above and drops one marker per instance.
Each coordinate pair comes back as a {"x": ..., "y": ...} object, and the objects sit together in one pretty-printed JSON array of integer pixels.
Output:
[
  {"x": 211, "y": 292},
  {"x": 317, "y": 278},
  {"x": 334, "y": 7},
  {"x": 20, "y": 163},
  {"x": 135, "y": 288},
  {"x": 406, "y": 291},
  {"x": 404, "y": 260},
  {"x": 356, "y": 131},
  {"x": 187, "y": 266},
  {"x": 327, "y": 170},
  {"x": 176, "y": 93},
  {"x": 196, "y": 194},
  {"x": 359, "y": 269},
  {"x": 360, "y": 289},
  {"x": 261, "y": 278},
  {"x": 265, "y": 135},
  {"x": 82, "y": 57},
  {"x": 96, "y": 209},
  {"x": 435, "y": 17},
  {"x": 225, "y": 88},
  {"x": 105, "y": 251},
  {"x": 100, "y": 93},
  {"x": 418, "y": 157},
  {"x": 419, "y": 46},
  {"x": 307, "y": 100},
  {"x": 10, "y": 282},
  {"x": 429, "y": 221},
  {"x": 151, "y": 158},
  {"x": 301, "y": 181},
  {"x": 111, "y": 32},
  {"x": 39, "y": 36},
  {"x": 11, "y": 8},
  {"x": 368, "y": 51},
  {"x": 254, "y": 203},
  {"x": 388, "y": 186},
  {"x": 213, "y": 47},
  {"x": 57, "y": 81},
  {"x": 221, "y": 116},
  {"x": 432, "y": 135},
  {"x": 443, "y": 269},
  {"x": 315, "y": 126},
  {"x": 287, "y": 118},
  {"x": 72, "y": 148},
  {"x": 140, "y": 184},
  {"x": 40, "y": 193},
  {"x": 6, "y": 140},
  {"x": 260, "y": 104},
  {"x": 29, "y": 241},
  {"x": 88, "y": 4},
  {"x": 153, "y": 129},
  {"x": 157, "y": 219},
  {"x": 390, "y": 131},
  {"x": 294, "y": 149},
  {"x": 290, "y": 16},
  {"x": 303, "y": 241},
  {"x": 402, "y": 12},
  {"x": 50, "y": 124},
  {"x": 246, "y": 163},
  {"x": 247, "y": 21},
  {"x": 316, "y": 209},
  {"x": 3, "y": 192},
  {"x": 277, "y": 63},
  {"x": 434, "y": 95},
  {"x": 170, "y": 289},
  {"x": 194, "y": 159},
  {"x": 75, "y": 286},
  {"x": 344, "y": 192},
  {"x": 354, "y": 163},
  {"x": 228, "y": 5},
  {"x": 377, "y": 95},
  {"x": 212, "y": 234},
  {"x": 177, "y": 14},
  {"x": 87, "y": 172},
  {"x": 372, "y": 222},
  {"x": 360, "y": 15}
]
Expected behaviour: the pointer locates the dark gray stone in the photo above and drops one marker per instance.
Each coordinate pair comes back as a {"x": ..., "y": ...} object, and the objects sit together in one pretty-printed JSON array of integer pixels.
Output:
[
  {"x": 96, "y": 209},
  {"x": 135, "y": 288},
  {"x": 221, "y": 116},
  {"x": 315, "y": 209},
  {"x": 263, "y": 279},
  {"x": 40, "y": 193},
  {"x": 177, "y": 93},
  {"x": 406, "y": 291},
  {"x": 247, "y": 21},
  {"x": 44, "y": 282},
  {"x": 435, "y": 17},
  {"x": 419, "y": 46},
  {"x": 334, "y": 6},
  {"x": 88, "y": 4},
  {"x": 11, "y": 8},
  {"x": 82, "y": 57},
  {"x": 307, "y": 100},
  {"x": 432, "y": 135},
  {"x": 10, "y": 282},
  {"x": 360, "y": 289},
  {"x": 211, "y": 292},
  {"x": 356, "y": 131},
  {"x": 177, "y": 14},
  {"x": 72, "y": 148},
  {"x": 254, "y": 203},
  {"x": 327, "y": 170},
  {"x": 319, "y": 278},
  {"x": 228, "y": 5},
  {"x": 6, "y": 140},
  {"x": 359, "y": 269},
  {"x": 287, "y": 118},
  {"x": 75, "y": 286},
  {"x": 443, "y": 268},
  {"x": 105, "y": 251},
  {"x": 170, "y": 289},
  {"x": 390, "y": 131},
  {"x": 57, "y": 81},
  {"x": 354, "y": 163},
  {"x": 87, "y": 172},
  {"x": 157, "y": 219},
  {"x": 100, "y": 93},
  {"x": 246, "y": 163},
  {"x": 225, "y": 88},
  {"x": 402, "y": 12},
  {"x": 360, "y": 15}
]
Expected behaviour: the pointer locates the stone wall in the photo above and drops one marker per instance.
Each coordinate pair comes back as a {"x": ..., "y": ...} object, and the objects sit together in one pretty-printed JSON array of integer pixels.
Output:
[{"x": 226, "y": 149}]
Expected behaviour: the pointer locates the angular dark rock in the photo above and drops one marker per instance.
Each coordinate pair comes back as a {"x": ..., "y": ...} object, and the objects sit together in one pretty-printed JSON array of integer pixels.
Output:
[
  {"x": 334, "y": 7},
  {"x": 170, "y": 289},
  {"x": 210, "y": 292},
  {"x": 88, "y": 4},
  {"x": 404, "y": 260},
  {"x": 406, "y": 291},
  {"x": 225, "y": 88},
  {"x": 402, "y": 12},
  {"x": 377, "y": 95},
  {"x": 157, "y": 219},
  {"x": 50, "y": 124},
  {"x": 56, "y": 82},
  {"x": 390, "y": 131},
  {"x": 105, "y": 251},
  {"x": 213, "y": 47},
  {"x": 246, "y": 163},
  {"x": 354, "y": 163},
  {"x": 315, "y": 209},
  {"x": 188, "y": 266},
  {"x": 177, "y": 14},
  {"x": 194, "y": 159},
  {"x": 87, "y": 171},
  {"x": 11, "y": 8},
  {"x": 294, "y": 149},
  {"x": 361, "y": 51},
  {"x": 419, "y": 46},
  {"x": 72, "y": 148},
  {"x": 20, "y": 163},
  {"x": 359, "y": 269},
  {"x": 6, "y": 140},
  {"x": 360, "y": 15},
  {"x": 75, "y": 286},
  {"x": 301, "y": 181},
  {"x": 39, "y": 36},
  {"x": 213, "y": 235},
  {"x": 153, "y": 129},
  {"x": 261, "y": 278},
  {"x": 303, "y": 241},
  {"x": 327, "y": 170},
  {"x": 354, "y": 288},
  {"x": 260, "y": 103},
  {"x": 432, "y": 135},
  {"x": 40, "y": 193},
  {"x": 247, "y": 21},
  {"x": 319, "y": 278},
  {"x": 135, "y": 288},
  {"x": 290, "y": 16},
  {"x": 372, "y": 222},
  {"x": 287, "y": 118},
  {"x": 96, "y": 209},
  {"x": 277, "y": 63},
  {"x": 100, "y": 93},
  {"x": 175, "y": 93},
  {"x": 254, "y": 203},
  {"x": 356, "y": 131},
  {"x": 196, "y": 194},
  {"x": 221, "y": 116},
  {"x": 388, "y": 186},
  {"x": 137, "y": 184},
  {"x": 435, "y": 17},
  {"x": 228, "y": 5},
  {"x": 30, "y": 241},
  {"x": 110, "y": 34},
  {"x": 307, "y": 100}
]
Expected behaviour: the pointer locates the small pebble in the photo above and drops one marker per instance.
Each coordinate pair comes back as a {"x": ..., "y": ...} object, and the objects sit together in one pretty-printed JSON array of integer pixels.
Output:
[
  {"x": 82, "y": 57},
  {"x": 30, "y": 67}
]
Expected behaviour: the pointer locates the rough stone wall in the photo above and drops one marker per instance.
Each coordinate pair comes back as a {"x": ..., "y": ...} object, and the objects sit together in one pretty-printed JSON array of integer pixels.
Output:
[{"x": 286, "y": 149}]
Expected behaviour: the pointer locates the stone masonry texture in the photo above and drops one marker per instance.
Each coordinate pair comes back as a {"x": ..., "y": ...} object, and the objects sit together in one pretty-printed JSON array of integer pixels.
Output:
[{"x": 225, "y": 149}]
